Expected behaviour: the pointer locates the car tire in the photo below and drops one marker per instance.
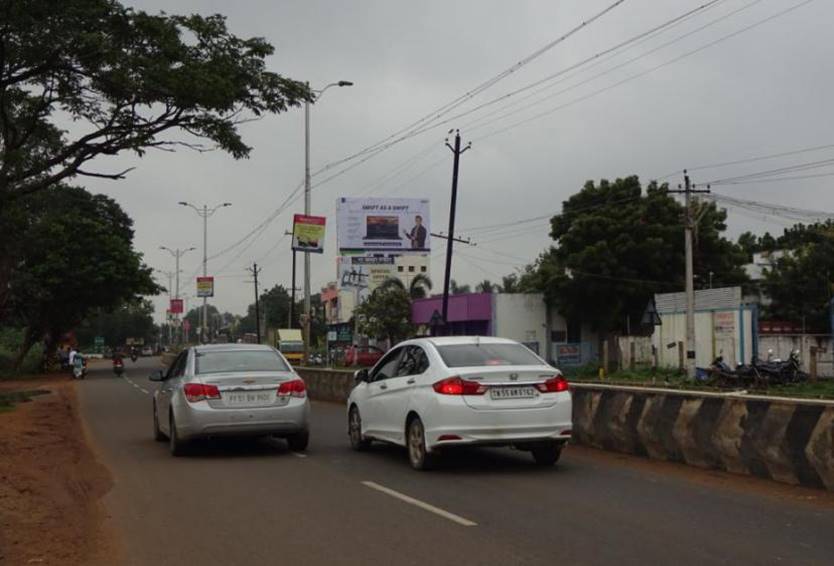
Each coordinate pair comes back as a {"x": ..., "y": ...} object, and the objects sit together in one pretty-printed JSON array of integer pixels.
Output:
[
  {"x": 298, "y": 442},
  {"x": 418, "y": 455},
  {"x": 157, "y": 433},
  {"x": 177, "y": 446},
  {"x": 357, "y": 441},
  {"x": 547, "y": 454}
]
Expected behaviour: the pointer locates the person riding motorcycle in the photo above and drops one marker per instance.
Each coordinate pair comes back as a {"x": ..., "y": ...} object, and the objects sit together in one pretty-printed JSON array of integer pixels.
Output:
[
  {"x": 118, "y": 363},
  {"x": 134, "y": 353}
]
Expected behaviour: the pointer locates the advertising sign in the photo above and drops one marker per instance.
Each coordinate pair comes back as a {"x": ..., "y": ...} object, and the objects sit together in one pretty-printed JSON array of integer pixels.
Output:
[
  {"x": 724, "y": 323},
  {"x": 205, "y": 286},
  {"x": 176, "y": 306},
  {"x": 569, "y": 353},
  {"x": 308, "y": 233},
  {"x": 383, "y": 224}
]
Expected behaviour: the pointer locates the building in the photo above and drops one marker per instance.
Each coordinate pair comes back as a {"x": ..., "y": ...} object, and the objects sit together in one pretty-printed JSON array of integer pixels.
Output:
[
  {"x": 724, "y": 325},
  {"x": 519, "y": 316}
]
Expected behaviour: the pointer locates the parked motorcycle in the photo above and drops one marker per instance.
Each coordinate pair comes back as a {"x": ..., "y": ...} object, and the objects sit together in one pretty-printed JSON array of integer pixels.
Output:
[{"x": 758, "y": 374}]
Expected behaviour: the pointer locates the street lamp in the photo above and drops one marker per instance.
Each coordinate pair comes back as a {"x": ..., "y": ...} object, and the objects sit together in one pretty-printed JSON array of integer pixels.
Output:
[
  {"x": 178, "y": 253},
  {"x": 204, "y": 213},
  {"x": 319, "y": 93}
]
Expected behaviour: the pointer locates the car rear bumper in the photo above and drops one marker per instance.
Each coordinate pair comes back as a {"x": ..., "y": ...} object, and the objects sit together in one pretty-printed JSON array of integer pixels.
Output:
[
  {"x": 453, "y": 423},
  {"x": 199, "y": 420}
]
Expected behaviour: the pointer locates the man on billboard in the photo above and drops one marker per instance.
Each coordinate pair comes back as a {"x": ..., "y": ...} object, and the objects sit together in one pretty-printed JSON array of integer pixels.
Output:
[{"x": 418, "y": 234}]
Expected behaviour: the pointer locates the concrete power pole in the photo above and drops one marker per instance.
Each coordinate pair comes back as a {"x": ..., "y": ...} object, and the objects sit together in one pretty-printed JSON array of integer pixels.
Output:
[
  {"x": 254, "y": 270},
  {"x": 457, "y": 151},
  {"x": 689, "y": 229}
]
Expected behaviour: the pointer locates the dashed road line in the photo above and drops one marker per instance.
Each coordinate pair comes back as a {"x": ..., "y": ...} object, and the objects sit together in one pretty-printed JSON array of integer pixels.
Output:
[
  {"x": 421, "y": 504},
  {"x": 299, "y": 455},
  {"x": 136, "y": 385}
]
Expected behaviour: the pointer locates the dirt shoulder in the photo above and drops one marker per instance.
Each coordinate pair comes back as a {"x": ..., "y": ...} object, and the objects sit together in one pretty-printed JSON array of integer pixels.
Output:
[{"x": 51, "y": 484}]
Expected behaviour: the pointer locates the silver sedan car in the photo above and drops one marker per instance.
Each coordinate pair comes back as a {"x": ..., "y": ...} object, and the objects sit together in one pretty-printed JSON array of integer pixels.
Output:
[{"x": 230, "y": 390}]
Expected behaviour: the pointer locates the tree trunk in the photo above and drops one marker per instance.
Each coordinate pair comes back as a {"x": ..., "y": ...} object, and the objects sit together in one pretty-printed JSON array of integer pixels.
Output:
[{"x": 29, "y": 339}]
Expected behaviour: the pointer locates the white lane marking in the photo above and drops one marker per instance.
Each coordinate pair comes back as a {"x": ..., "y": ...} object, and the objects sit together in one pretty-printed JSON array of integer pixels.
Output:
[
  {"x": 421, "y": 504},
  {"x": 299, "y": 455},
  {"x": 136, "y": 385}
]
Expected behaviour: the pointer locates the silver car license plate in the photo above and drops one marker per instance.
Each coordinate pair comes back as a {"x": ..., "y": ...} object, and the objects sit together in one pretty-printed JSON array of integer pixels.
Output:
[
  {"x": 512, "y": 392},
  {"x": 248, "y": 398}
]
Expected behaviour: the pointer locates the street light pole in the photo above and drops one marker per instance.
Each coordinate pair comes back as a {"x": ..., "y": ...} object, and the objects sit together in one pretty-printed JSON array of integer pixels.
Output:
[
  {"x": 177, "y": 253},
  {"x": 307, "y": 188},
  {"x": 205, "y": 212}
]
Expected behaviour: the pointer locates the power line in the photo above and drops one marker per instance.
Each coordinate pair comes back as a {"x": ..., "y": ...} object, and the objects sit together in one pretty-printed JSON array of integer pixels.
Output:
[
  {"x": 774, "y": 172},
  {"x": 640, "y": 74}
]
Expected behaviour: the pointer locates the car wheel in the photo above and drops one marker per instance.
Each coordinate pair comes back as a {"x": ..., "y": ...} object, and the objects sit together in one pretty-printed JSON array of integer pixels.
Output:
[
  {"x": 298, "y": 442},
  {"x": 357, "y": 441},
  {"x": 176, "y": 445},
  {"x": 418, "y": 455},
  {"x": 157, "y": 434},
  {"x": 547, "y": 454}
]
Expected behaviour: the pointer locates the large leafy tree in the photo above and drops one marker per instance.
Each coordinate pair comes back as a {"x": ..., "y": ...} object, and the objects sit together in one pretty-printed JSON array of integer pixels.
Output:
[
  {"x": 386, "y": 314},
  {"x": 799, "y": 284},
  {"x": 418, "y": 288},
  {"x": 616, "y": 245},
  {"x": 126, "y": 79},
  {"x": 130, "y": 320},
  {"x": 76, "y": 257}
]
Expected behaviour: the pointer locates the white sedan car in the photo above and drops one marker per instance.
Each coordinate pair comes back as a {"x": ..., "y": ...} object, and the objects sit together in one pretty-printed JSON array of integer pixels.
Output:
[{"x": 428, "y": 394}]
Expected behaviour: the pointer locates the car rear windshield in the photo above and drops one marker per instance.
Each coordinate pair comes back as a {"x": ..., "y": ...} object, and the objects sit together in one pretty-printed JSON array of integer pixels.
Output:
[
  {"x": 240, "y": 360},
  {"x": 470, "y": 355}
]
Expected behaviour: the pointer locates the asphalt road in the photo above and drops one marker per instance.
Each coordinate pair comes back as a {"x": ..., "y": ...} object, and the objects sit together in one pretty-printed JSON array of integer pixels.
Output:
[{"x": 255, "y": 502}]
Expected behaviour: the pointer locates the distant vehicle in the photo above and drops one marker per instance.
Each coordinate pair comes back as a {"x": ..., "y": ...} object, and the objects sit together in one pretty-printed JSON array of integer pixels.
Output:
[
  {"x": 147, "y": 351},
  {"x": 363, "y": 356},
  {"x": 431, "y": 394},
  {"x": 290, "y": 342},
  {"x": 230, "y": 390}
]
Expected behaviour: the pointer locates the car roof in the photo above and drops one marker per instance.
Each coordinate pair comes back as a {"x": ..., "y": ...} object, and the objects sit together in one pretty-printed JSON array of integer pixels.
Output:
[
  {"x": 460, "y": 340},
  {"x": 231, "y": 348}
]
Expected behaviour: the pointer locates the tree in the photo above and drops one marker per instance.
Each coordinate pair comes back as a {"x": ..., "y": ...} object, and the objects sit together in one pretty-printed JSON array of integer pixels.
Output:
[
  {"x": 485, "y": 286},
  {"x": 455, "y": 289},
  {"x": 194, "y": 316},
  {"x": 418, "y": 288},
  {"x": 76, "y": 257},
  {"x": 129, "y": 320},
  {"x": 126, "y": 78},
  {"x": 510, "y": 284},
  {"x": 612, "y": 241},
  {"x": 799, "y": 284},
  {"x": 386, "y": 314}
]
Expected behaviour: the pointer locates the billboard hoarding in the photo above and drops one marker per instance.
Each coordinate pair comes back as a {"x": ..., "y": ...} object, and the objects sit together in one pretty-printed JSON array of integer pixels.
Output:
[
  {"x": 205, "y": 286},
  {"x": 176, "y": 306},
  {"x": 308, "y": 233},
  {"x": 383, "y": 224}
]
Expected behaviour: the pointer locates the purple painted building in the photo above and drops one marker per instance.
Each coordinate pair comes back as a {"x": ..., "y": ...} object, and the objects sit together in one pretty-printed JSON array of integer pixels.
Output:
[{"x": 469, "y": 314}]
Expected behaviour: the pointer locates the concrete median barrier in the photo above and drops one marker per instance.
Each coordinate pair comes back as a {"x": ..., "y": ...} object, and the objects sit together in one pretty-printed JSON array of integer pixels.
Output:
[
  {"x": 786, "y": 440},
  {"x": 327, "y": 384}
]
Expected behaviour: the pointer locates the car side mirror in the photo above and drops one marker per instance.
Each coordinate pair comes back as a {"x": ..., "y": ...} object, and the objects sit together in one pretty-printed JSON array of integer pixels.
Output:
[
  {"x": 157, "y": 376},
  {"x": 360, "y": 375}
]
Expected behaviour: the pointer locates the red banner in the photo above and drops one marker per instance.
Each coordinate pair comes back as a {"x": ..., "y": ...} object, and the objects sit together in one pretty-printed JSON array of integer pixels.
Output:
[{"x": 176, "y": 306}]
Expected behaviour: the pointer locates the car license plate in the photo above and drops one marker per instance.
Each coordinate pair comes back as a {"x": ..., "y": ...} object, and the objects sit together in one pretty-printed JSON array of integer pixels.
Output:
[
  {"x": 248, "y": 398},
  {"x": 512, "y": 392}
]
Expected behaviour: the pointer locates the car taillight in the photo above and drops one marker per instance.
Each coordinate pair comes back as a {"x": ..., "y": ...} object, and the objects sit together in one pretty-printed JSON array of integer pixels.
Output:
[
  {"x": 197, "y": 392},
  {"x": 293, "y": 388},
  {"x": 458, "y": 386},
  {"x": 555, "y": 384}
]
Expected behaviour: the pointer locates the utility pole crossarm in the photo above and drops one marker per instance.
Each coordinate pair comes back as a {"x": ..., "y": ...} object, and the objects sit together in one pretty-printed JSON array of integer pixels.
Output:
[{"x": 442, "y": 236}]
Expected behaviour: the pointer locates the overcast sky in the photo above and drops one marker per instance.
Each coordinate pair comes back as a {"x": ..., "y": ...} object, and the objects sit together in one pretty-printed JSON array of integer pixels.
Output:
[{"x": 764, "y": 91}]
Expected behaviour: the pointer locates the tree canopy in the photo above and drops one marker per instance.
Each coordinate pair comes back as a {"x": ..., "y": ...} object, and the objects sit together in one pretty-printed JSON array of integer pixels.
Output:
[
  {"x": 617, "y": 243},
  {"x": 386, "y": 314},
  {"x": 130, "y": 320},
  {"x": 76, "y": 257},
  {"x": 124, "y": 79}
]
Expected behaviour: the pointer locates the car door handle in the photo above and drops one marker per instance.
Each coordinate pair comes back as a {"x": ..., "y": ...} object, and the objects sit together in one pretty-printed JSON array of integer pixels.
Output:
[
  {"x": 383, "y": 386},
  {"x": 411, "y": 381}
]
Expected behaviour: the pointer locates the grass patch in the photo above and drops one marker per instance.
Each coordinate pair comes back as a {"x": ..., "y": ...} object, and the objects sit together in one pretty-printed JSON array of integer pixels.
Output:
[
  {"x": 11, "y": 398},
  {"x": 672, "y": 379}
]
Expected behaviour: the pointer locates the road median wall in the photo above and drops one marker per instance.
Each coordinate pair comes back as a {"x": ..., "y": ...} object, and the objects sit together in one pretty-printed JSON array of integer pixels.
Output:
[{"x": 786, "y": 440}]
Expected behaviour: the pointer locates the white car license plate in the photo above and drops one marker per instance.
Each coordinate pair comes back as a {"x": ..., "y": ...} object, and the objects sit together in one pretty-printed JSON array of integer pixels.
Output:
[
  {"x": 512, "y": 392},
  {"x": 248, "y": 398}
]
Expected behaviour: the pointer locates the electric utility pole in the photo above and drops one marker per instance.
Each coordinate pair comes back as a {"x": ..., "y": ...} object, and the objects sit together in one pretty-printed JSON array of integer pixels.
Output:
[
  {"x": 689, "y": 227},
  {"x": 292, "y": 291},
  {"x": 457, "y": 151},
  {"x": 254, "y": 270}
]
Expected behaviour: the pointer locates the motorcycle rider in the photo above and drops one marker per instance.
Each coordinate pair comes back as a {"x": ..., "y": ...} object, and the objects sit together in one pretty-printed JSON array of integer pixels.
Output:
[{"x": 118, "y": 362}]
